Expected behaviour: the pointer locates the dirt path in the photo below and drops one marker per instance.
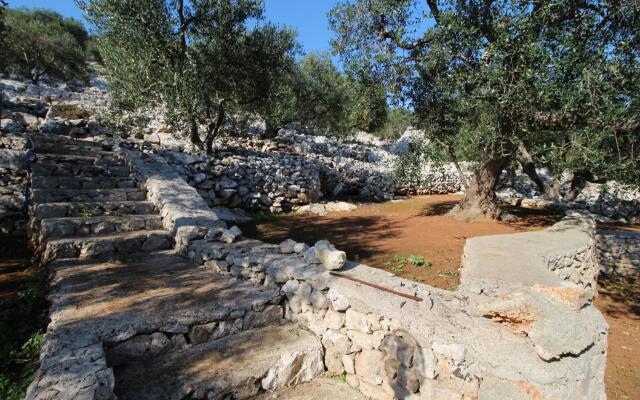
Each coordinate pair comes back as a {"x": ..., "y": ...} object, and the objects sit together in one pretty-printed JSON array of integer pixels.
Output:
[
  {"x": 385, "y": 236},
  {"x": 619, "y": 301}
]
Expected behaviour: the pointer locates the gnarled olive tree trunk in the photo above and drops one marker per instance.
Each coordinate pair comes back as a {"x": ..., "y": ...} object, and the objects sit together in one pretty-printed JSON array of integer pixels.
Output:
[
  {"x": 480, "y": 200},
  {"x": 194, "y": 135},
  {"x": 551, "y": 192},
  {"x": 214, "y": 127}
]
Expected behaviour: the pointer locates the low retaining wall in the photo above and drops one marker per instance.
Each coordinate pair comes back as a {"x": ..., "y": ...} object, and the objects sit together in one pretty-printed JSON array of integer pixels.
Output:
[
  {"x": 620, "y": 252},
  {"x": 256, "y": 181},
  {"x": 279, "y": 176},
  {"x": 532, "y": 333},
  {"x": 13, "y": 178}
]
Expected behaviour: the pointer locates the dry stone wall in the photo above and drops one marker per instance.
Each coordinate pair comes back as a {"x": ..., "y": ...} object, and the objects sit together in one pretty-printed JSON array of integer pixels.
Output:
[
  {"x": 620, "y": 253},
  {"x": 293, "y": 170},
  {"x": 13, "y": 181},
  {"x": 254, "y": 181},
  {"x": 535, "y": 338}
]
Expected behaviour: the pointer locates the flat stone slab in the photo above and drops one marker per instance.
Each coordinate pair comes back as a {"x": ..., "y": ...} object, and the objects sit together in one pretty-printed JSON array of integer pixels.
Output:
[
  {"x": 238, "y": 365},
  {"x": 99, "y": 303},
  {"x": 516, "y": 260},
  {"x": 114, "y": 300}
]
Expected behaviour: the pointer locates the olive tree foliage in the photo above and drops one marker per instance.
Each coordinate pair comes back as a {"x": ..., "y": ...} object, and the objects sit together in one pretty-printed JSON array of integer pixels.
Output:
[
  {"x": 42, "y": 44},
  {"x": 329, "y": 101},
  {"x": 499, "y": 80},
  {"x": 200, "y": 59},
  {"x": 321, "y": 94}
]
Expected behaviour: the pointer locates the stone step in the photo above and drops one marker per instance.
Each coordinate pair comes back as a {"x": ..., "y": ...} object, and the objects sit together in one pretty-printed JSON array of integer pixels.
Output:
[
  {"x": 317, "y": 389},
  {"x": 60, "y": 140},
  {"x": 115, "y": 244},
  {"x": 54, "y": 169},
  {"x": 83, "y": 182},
  {"x": 87, "y": 195},
  {"x": 92, "y": 209},
  {"x": 82, "y": 159},
  {"x": 237, "y": 366},
  {"x": 80, "y": 226},
  {"x": 103, "y": 159},
  {"x": 71, "y": 149}
]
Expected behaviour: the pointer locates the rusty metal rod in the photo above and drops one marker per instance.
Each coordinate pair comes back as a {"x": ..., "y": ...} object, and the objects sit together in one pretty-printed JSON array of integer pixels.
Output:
[{"x": 373, "y": 285}]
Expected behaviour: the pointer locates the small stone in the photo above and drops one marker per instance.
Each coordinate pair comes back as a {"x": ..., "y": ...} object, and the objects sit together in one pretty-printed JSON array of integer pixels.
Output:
[
  {"x": 159, "y": 342},
  {"x": 338, "y": 342},
  {"x": 356, "y": 321},
  {"x": 370, "y": 366},
  {"x": 300, "y": 248},
  {"x": 287, "y": 246},
  {"x": 339, "y": 302},
  {"x": 365, "y": 340},
  {"x": 333, "y": 259},
  {"x": 334, "y": 320},
  {"x": 348, "y": 362},
  {"x": 201, "y": 333}
]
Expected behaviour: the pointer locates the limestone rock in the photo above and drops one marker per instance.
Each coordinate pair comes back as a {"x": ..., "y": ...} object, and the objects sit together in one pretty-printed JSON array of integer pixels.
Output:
[
  {"x": 338, "y": 301},
  {"x": 230, "y": 235},
  {"x": 287, "y": 246},
  {"x": 326, "y": 254},
  {"x": 370, "y": 366}
]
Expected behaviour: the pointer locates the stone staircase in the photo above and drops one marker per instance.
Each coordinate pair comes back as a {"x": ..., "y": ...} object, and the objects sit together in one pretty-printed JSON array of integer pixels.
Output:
[
  {"x": 87, "y": 203},
  {"x": 130, "y": 318}
]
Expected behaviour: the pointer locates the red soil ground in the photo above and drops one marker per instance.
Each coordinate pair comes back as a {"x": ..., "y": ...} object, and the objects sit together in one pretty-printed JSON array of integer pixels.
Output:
[{"x": 379, "y": 235}]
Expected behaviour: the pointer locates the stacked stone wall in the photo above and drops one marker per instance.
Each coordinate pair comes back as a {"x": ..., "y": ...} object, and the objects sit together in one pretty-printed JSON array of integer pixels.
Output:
[
  {"x": 13, "y": 182},
  {"x": 436, "y": 344},
  {"x": 620, "y": 253}
]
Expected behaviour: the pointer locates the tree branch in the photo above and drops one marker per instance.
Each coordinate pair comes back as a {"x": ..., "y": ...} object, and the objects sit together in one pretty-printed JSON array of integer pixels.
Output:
[
  {"x": 433, "y": 6},
  {"x": 385, "y": 34}
]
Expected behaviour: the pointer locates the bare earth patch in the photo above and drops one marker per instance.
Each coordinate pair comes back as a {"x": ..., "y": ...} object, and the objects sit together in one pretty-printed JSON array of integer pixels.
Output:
[{"x": 386, "y": 235}]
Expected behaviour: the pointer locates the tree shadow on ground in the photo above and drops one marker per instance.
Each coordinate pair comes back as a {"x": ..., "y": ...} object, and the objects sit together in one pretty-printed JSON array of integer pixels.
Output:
[
  {"x": 623, "y": 293},
  {"x": 437, "y": 209},
  {"x": 532, "y": 218},
  {"x": 357, "y": 235}
]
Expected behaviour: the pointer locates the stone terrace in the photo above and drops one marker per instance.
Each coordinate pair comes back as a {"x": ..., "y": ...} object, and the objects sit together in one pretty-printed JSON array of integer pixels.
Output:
[{"x": 186, "y": 308}]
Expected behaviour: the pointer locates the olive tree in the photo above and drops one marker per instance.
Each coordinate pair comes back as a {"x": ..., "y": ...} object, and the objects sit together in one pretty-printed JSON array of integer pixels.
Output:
[
  {"x": 200, "y": 59},
  {"x": 329, "y": 101},
  {"x": 490, "y": 80},
  {"x": 42, "y": 44}
]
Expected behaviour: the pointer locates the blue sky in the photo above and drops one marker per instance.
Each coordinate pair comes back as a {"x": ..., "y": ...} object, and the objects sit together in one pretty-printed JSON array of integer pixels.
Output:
[{"x": 307, "y": 17}]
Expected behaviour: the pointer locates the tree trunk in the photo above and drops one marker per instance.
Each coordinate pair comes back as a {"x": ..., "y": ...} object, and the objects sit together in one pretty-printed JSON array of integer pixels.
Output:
[
  {"x": 529, "y": 167},
  {"x": 578, "y": 182},
  {"x": 480, "y": 200},
  {"x": 270, "y": 129},
  {"x": 454, "y": 159},
  {"x": 214, "y": 127},
  {"x": 195, "y": 136}
]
